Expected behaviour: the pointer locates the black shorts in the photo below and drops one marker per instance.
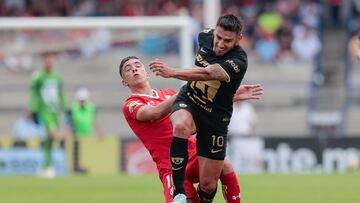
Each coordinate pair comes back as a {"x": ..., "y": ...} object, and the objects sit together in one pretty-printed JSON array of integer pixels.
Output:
[{"x": 211, "y": 129}]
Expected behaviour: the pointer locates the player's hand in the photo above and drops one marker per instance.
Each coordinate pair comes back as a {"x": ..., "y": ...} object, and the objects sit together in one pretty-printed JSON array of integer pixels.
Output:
[
  {"x": 245, "y": 92},
  {"x": 35, "y": 117},
  {"x": 161, "y": 69},
  {"x": 68, "y": 119}
]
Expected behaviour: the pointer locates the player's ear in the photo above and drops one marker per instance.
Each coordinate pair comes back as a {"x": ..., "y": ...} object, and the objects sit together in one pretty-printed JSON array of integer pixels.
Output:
[
  {"x": 239, "y": 37},
  {"x": 124, "y": 83},
  {"x": 147, "y": 75}
]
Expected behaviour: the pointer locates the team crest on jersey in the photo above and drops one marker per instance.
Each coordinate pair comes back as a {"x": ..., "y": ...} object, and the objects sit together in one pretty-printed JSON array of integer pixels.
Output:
[{"x": 131, "y": 105}]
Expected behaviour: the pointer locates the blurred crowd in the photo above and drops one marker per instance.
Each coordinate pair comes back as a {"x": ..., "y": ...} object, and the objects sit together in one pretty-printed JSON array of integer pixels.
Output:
[
  {"x": 90, "y": 7},
  {"x": 277, "y": 31}
]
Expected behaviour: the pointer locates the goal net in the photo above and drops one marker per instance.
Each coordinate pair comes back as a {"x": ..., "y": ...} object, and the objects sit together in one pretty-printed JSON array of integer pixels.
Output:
[{"x": 88, "y": 51}]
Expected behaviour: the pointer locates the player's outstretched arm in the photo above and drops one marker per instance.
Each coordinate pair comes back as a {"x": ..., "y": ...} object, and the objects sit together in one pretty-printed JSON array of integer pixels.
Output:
[
  {"x": 149, "y": 112},
  {"x": 245, "y": 92},
  {"x": 211, "y": 72}
]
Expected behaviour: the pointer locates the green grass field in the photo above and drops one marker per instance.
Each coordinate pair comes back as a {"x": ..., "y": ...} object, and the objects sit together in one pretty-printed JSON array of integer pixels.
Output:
[{"x": 331, "y": 188}]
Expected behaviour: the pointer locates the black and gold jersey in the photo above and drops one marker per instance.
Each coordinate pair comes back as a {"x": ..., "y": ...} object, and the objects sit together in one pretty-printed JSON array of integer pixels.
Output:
[{"x": 216, "y": 96}]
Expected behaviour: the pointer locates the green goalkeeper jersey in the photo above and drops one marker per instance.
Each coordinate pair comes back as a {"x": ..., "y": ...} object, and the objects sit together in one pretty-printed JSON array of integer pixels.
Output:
[{"x": 47, "y": 92}]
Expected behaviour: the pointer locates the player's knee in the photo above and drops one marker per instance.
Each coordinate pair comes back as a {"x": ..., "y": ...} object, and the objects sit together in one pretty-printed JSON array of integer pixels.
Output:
[
  {"x": 208, "y": 185},
  {"x": 181, "y": 129},
  {"x": 227, "y": 168}
]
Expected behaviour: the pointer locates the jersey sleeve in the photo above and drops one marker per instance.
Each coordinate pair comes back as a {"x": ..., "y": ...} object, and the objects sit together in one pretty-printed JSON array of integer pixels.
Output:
[
  {"x": 34, "y": 96},
  {"x": 63, "y": 100},
  {"x": 202, "y": 36},
  {"x": 169, "y": 91},
  {"x": 234, "y": 68},
  {"x": 131, "y": 107}
]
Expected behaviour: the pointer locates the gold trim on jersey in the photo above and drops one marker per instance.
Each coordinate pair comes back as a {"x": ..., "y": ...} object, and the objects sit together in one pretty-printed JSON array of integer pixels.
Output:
[{"x": 227, "y": 75}]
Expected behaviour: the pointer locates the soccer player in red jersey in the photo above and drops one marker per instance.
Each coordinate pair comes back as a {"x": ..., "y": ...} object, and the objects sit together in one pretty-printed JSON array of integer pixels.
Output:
[{"x": 147, "y": 112}]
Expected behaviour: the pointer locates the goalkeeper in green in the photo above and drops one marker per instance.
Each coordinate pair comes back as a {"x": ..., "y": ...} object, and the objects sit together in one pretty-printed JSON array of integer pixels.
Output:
[{"x": 47, "y": 100}]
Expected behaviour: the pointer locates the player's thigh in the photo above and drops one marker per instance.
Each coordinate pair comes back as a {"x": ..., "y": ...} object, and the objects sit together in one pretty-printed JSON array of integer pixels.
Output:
[
  {"x": 51, "y": 121},
  {"x": 209, "y": 170},
  {"x": 183, "y": 123}
]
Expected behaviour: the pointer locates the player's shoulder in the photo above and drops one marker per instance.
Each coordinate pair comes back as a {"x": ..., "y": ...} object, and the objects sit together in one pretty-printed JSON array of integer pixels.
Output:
[
  {"x": 57, "y": 74},
  {"x": 237, "y": 57},
  {"x": 207, "y": 31},
  {"x": 130, "y": 103},
  {"x": 132, "y": 99},
  {"x": 239, "y": 52},
  {"x": 90, "y": 104},
  {"x": 167, "y": 91},
  {"x": 206, "y": 35},
  {"x": 36, "y": 73}
]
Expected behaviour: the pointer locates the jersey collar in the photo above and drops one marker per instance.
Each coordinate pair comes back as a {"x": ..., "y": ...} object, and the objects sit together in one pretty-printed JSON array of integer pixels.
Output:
[{"x": 155, "y": 94}]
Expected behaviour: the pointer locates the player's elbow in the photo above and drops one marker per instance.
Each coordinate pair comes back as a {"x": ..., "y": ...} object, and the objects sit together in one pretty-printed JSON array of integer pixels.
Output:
[
  {"x": 215, "y": 72},
  {"x": 156, "y": 115},
  {"x": 208, "y": 75}
]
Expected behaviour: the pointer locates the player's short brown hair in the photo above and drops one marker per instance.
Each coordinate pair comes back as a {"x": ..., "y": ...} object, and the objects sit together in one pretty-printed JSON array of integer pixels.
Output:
[
  {"x": 230, "y": 22},
  {"x": 123, "y": 61}
]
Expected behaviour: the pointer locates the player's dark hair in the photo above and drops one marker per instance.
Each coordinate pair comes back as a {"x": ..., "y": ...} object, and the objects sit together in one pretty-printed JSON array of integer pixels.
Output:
[
  {"x": 230, "y": 22},
  {"x": 124, "y": 60}
]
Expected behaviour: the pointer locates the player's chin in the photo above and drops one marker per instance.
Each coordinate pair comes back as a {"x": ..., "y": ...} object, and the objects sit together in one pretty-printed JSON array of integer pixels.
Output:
[{"x": 219, "y": 53}]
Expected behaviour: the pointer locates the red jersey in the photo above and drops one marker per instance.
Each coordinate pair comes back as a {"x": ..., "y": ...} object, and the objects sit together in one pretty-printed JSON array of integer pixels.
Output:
[{"x": 156, "y": 135}]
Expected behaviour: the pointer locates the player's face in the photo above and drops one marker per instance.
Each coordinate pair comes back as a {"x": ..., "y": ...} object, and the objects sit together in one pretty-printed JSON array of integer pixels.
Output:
[
  {"x": 48, "y": 62},
  {"x": 224, "y": 41},
  {"x": 133, "y": 72}
]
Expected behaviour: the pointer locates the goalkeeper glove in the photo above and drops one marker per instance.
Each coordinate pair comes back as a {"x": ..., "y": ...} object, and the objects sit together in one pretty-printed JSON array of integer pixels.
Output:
[
  {"x": 35, "y": 118},
  {"x": 68, "y": 119}
]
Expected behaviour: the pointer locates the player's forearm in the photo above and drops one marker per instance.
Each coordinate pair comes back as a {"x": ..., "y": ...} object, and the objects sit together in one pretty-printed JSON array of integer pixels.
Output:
[
  {"x": 193, "y": 74},
  {"x": 148, "y": 113},
  {"x": 212, "y": 72}
]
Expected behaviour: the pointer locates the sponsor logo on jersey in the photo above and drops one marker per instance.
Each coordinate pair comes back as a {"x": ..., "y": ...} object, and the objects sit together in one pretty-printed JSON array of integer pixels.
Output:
[
  {"x": 201, "y": 60},
  {"x": 233, "y": 65}
]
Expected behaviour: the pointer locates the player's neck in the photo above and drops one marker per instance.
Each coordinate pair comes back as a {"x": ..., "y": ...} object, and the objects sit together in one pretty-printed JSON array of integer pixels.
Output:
[{"x": 143, "y": 89}]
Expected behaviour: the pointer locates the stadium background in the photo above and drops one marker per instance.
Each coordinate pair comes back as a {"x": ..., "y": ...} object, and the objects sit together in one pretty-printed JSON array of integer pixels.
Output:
[{"x": 308, "y": 118}]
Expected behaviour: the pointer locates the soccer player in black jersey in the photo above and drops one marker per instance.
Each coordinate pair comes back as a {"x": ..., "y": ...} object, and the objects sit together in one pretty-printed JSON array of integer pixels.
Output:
[{"x": 204, "y": 104}]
